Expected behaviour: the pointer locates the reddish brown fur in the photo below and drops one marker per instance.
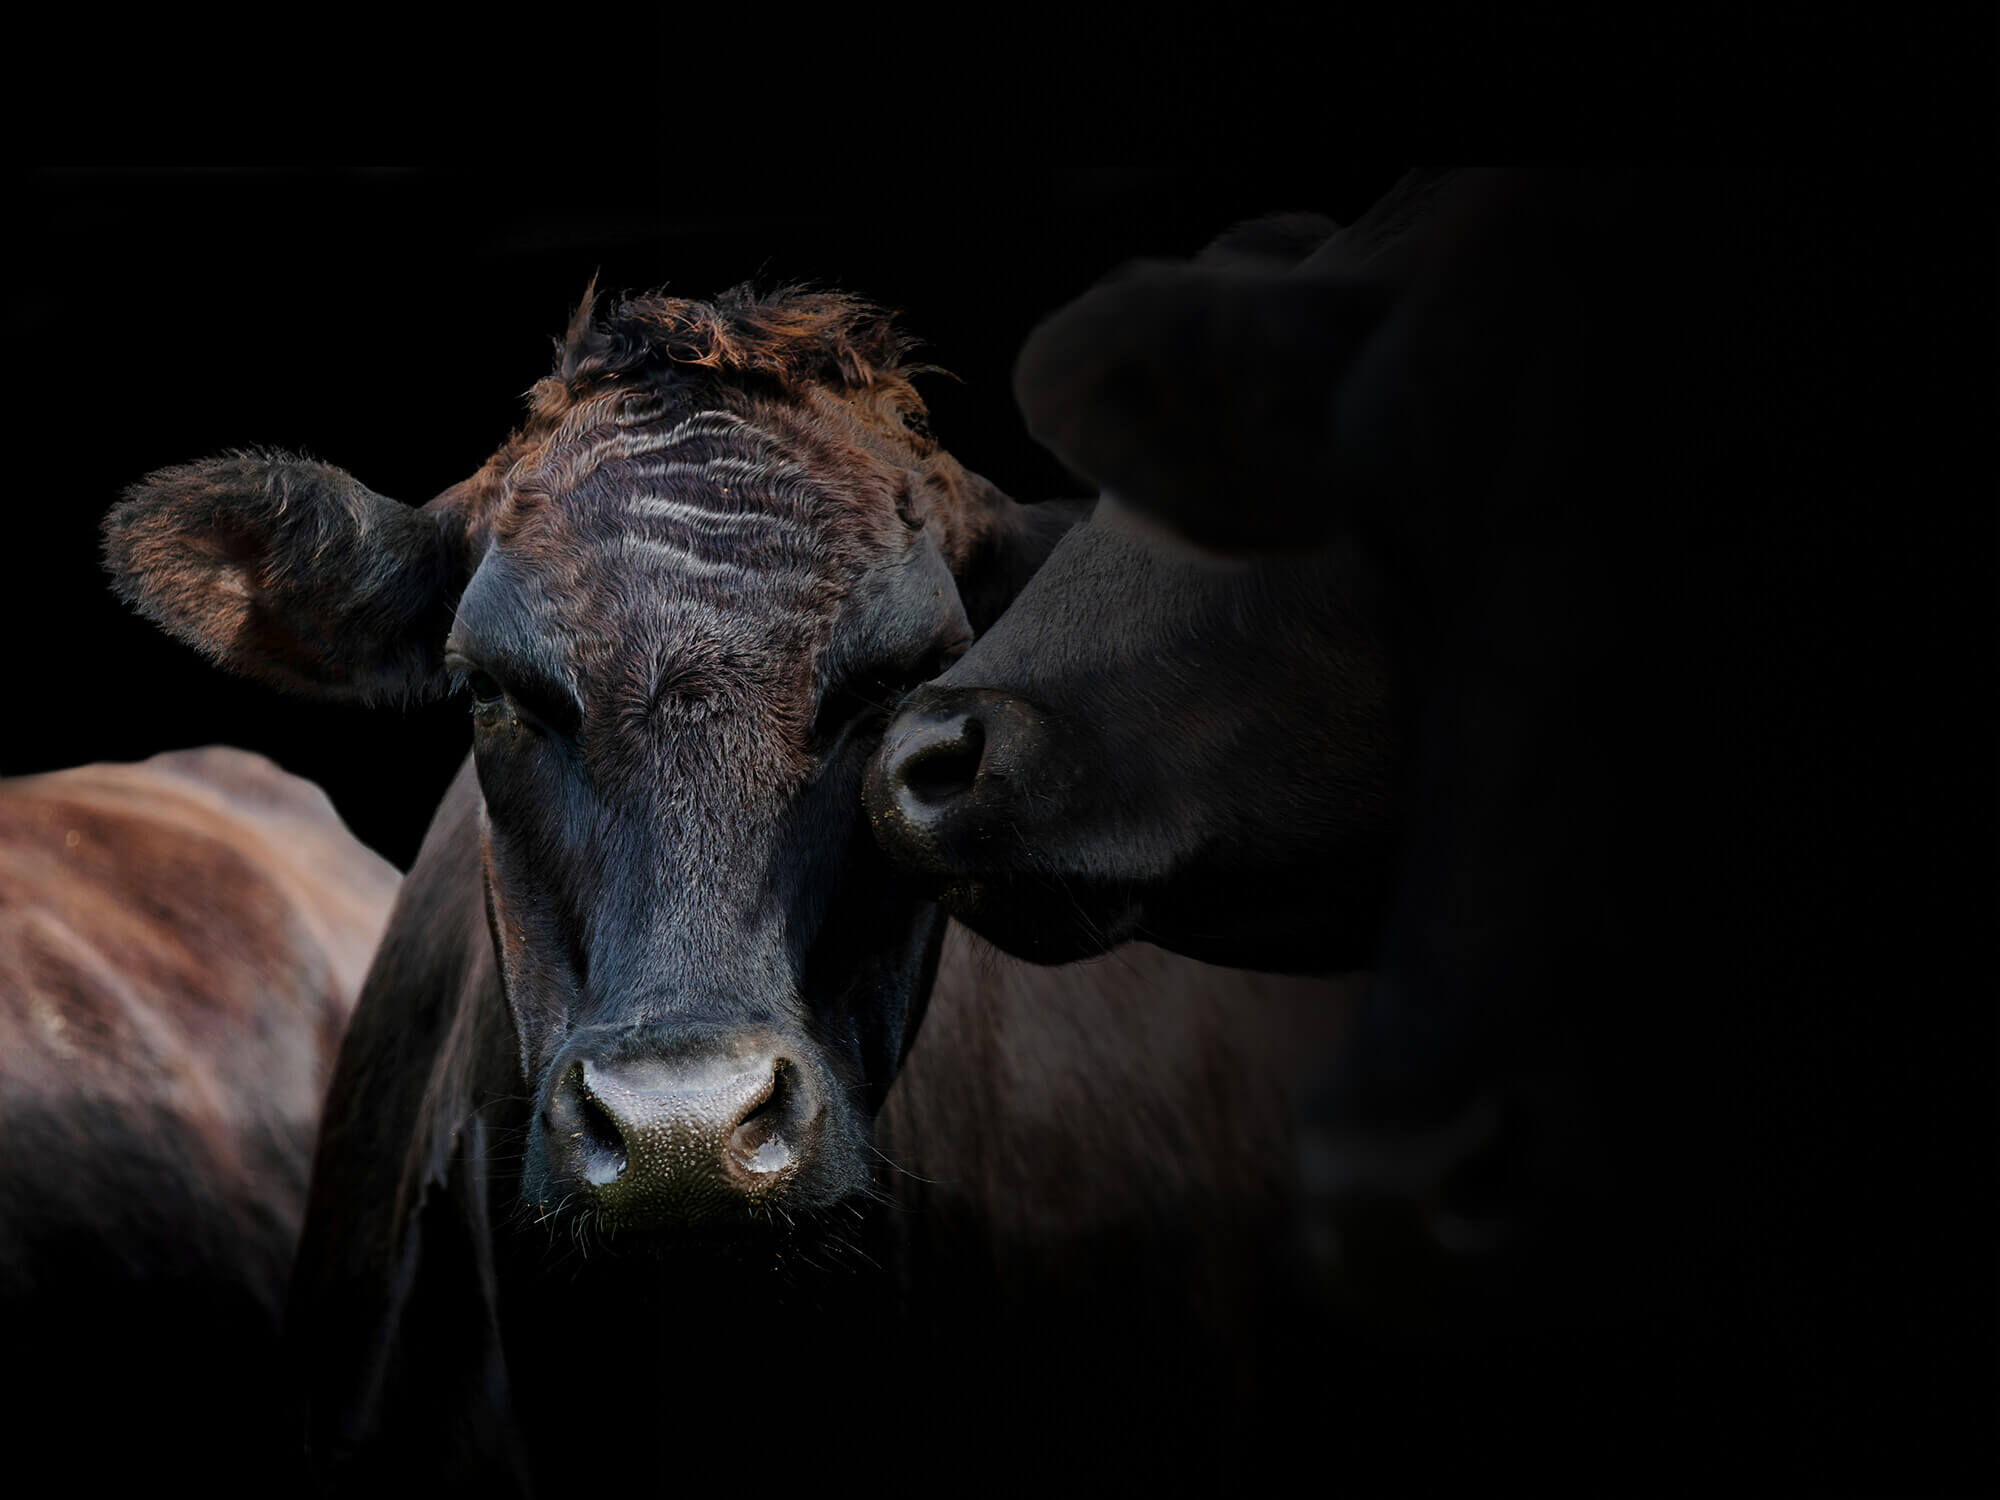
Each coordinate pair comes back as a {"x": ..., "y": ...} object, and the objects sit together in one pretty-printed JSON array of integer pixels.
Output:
[
  {"x": 181, "y": 941},
  {"x": 795, "y": 336},
  {"x": 215, "y": 552},
  {"x": 825, "y": 368}
]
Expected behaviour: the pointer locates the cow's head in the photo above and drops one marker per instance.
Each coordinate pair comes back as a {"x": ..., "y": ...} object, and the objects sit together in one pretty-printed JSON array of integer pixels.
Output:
[
  {"x": 681, "y": 602},
  {"x": 1159, "y": 742},
  {"x": 1203, "y": 745},
  {"x": 1154, "y": 745}
]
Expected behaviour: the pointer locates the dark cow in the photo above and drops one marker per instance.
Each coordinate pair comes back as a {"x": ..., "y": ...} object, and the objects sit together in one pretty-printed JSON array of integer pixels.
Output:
[
  {"x": 181, "y": 942},
  {"x": 1155, "y": 742},
  {"x": 599, "y": 1193},
  {"x": 1518, "y": 684}
]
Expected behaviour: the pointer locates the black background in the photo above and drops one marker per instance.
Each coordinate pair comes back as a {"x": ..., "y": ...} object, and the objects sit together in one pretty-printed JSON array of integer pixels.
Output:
[
  {"x": 201, "y": 260},
  {"x": 358, "y": 241}
]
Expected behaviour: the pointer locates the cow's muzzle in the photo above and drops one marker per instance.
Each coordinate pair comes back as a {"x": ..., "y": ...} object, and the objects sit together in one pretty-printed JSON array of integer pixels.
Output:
[
  {"x": 945, "y": 791},
  {"x": 703, "y": 1134}
]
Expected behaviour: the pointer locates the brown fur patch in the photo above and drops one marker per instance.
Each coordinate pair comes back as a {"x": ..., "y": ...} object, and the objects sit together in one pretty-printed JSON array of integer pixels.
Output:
[
  {"x": 188, "y": 933},
  {"x": 795, "y": 336},
  {"x": 181, "y": 943}
]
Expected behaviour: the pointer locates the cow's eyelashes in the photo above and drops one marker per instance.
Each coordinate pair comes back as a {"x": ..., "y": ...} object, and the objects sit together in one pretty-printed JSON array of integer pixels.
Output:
[
  {"x": 484, "y": 689},
  {"x": 875, "y": 694},
  {"x": 886, "y": 688},
  {"x": 525, "y": 701},
  {"x": 490, "y": 707},
  {"x": 490, "y": 704}
]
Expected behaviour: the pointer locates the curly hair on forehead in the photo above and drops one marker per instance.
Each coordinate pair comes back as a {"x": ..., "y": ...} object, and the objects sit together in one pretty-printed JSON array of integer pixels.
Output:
[{"x": 794, "y": 335}]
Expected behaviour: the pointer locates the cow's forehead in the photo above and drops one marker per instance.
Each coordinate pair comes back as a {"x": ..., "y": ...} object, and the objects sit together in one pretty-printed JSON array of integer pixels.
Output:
[{"x": 649, "y": 554}]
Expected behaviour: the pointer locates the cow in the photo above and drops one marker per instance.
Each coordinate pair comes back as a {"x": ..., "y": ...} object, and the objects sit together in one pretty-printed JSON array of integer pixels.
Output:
[
  {"x": 1460, "y": 607},
  {"x": 1047, "y": 780},
  {"x": 636, "y": 1165},
  {"x": 181, "y": 942}
]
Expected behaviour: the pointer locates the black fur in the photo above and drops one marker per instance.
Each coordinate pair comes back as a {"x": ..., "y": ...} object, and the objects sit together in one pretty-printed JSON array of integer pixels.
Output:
[{"x": 1609, "y": 473}]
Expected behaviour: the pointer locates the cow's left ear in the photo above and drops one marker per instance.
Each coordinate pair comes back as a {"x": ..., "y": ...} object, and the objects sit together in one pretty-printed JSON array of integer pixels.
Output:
[
  {"x": 993, "y": 560},
  {"x": 294, "y": 572}
]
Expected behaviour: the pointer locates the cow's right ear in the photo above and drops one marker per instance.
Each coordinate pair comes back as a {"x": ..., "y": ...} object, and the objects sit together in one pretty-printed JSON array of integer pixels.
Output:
[{"x": 293, "y": 572}]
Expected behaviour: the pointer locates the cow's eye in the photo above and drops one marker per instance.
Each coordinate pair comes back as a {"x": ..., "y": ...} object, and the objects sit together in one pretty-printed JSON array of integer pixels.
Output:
[
  {"x": 871, "y": 697},
  {"x": 489, "y": 700}
]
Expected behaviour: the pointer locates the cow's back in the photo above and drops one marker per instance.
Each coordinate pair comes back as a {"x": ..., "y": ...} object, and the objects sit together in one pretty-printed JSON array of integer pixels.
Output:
[{"x": 181, "y": 941}]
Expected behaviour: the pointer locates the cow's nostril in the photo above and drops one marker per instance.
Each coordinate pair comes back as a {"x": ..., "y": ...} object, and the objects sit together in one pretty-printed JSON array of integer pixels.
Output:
[
  {"x": 603, "y": 1155},
  {"x": 947, "y": 766},
  {"x": 759, "y": 1142}
]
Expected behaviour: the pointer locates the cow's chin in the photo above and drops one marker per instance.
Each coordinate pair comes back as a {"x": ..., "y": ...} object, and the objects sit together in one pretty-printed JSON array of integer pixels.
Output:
[
  {"x": 1045, "y": 920},
  {"x": 780, "y": 1235}
]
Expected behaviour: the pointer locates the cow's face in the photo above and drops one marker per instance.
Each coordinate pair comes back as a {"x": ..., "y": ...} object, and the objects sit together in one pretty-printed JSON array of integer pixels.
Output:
[
  {"x": 681, "y": 603},
  {"x": 1158, "y": 742},
  {"x": 1164, "y": 743},
  {"x": 680, "y": 648},
  {"x": 1153, "y": 744}
]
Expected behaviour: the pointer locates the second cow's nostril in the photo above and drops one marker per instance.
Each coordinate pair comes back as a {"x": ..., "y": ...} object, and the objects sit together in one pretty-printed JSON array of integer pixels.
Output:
[{"x": 946, "y": 764}]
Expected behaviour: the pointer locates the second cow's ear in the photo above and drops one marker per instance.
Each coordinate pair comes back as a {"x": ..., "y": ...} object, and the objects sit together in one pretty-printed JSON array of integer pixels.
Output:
[
  {"x": 1015, "y": 541},
  {"x": 293, "y": 572},
  {"x": 1203, "y": 396}
]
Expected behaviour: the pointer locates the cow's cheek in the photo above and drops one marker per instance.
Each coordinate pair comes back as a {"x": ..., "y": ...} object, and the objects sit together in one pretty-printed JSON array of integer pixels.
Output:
[{"x": 538, "y": 995}]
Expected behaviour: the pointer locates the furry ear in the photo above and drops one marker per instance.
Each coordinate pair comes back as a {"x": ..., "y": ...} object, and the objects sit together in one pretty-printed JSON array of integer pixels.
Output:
[
  {"x": 293, "y": 572},
  {"x": 1014, "y": 541},
  {"x": 1253, "y": 408},
  {"x": 1203, "y": 395}
]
